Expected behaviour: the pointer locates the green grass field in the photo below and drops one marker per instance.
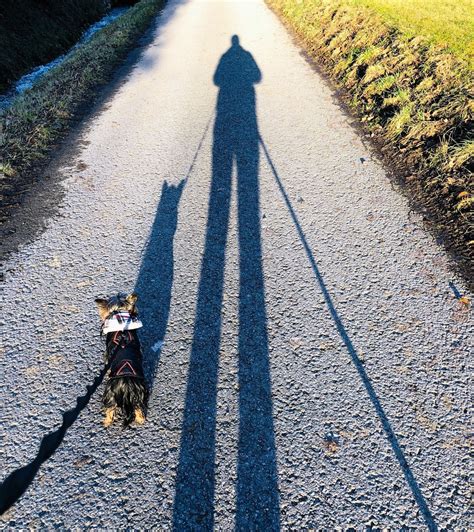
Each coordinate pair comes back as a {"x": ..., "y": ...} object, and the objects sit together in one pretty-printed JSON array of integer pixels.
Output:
[{"x": 445, "y": 22}]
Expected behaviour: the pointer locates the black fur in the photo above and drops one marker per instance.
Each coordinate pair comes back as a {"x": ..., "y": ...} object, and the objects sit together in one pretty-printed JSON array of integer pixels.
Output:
[
  {"x": 126, "y": 391},
  {"x": 126, "y": 394}
]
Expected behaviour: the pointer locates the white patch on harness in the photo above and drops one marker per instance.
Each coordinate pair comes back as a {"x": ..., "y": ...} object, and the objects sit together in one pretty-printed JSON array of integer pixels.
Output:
[{"x": 121, "y": 321}]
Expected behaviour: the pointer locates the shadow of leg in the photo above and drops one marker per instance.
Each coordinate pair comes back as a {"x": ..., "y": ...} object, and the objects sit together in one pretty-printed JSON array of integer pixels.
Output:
[
  {"x": 257, "y": 481},
  {"x": 194, "y": 496}
]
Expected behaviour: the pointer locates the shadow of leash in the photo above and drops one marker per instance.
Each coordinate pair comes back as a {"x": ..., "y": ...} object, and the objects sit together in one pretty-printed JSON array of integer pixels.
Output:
[
  {"x": 17, "y": 482},
  {"x": 390, "y": 434}
]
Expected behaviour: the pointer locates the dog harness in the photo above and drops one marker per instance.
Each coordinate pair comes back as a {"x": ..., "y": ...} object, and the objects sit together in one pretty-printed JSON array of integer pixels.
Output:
[
  {"x": 123, "y": 346},
  {"x": 127, "y": 358}
]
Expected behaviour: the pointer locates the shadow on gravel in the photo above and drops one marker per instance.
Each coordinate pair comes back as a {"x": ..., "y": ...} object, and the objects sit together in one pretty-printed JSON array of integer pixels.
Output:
[
  {"x": 236, "y": 139},
  {"x": 18, "y": 481},
  {"x": 420, "y": 500},
  {"x": 155, "y": 279}
]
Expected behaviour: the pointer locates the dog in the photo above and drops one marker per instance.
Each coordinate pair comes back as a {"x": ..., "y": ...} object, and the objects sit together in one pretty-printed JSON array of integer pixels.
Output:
[{"x": 126, "y": 392}]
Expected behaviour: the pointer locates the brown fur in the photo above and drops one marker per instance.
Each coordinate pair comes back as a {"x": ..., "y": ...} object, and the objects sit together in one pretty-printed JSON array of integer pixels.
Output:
[{"x": 124, "y": 395}]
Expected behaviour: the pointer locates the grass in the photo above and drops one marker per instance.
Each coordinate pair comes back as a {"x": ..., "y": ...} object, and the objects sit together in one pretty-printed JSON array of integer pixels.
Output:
[
  {"x": 443, "y": 22},
  {"x": 406, "y": 71},
  {"x": 37, "y": 119}
]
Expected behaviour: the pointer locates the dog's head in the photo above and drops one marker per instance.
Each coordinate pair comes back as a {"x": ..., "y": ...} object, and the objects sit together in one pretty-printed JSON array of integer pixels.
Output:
[{"x": 117, "y": 302}]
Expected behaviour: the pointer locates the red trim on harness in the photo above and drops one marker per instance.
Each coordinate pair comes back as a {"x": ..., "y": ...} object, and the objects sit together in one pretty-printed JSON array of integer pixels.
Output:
[
  {"x": 116, "y": 340},
  {"x": 125, "y": 363}
]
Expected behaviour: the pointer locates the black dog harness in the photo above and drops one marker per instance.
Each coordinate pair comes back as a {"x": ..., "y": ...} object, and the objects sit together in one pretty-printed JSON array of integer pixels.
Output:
[{"x": 124, "y": 354}]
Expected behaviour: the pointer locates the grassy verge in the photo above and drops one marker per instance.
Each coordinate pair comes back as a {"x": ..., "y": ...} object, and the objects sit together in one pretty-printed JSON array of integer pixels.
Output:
[
  {"x": 448, "y": 23},
  {"x": 38, "y": 118},
  {"x": 414, "y": 94}
]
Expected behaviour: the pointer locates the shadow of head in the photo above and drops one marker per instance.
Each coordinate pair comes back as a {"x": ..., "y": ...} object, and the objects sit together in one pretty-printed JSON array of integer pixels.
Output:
[{"x": 237, "y": 68}]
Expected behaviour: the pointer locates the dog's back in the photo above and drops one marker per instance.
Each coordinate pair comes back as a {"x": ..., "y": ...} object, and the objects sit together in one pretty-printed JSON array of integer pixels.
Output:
[{"x": 125, "y": 389}]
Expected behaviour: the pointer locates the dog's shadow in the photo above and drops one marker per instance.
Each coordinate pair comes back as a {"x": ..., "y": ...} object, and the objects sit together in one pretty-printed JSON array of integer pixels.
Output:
[
  {"x": 18, "y": 480},
  {"x": 155, "y": 280},
  {"x": 154, "y": 285}
]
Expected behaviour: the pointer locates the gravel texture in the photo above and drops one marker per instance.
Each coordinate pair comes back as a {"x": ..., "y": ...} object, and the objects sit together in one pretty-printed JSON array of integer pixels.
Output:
[{"x": 314, "y": 371}]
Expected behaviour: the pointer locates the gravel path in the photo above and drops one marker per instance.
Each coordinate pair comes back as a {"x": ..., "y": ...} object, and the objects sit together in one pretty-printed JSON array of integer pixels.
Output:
[{"x": 308, "y": 358}]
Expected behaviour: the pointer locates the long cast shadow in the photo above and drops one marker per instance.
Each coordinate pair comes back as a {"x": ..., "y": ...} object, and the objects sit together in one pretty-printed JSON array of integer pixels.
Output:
[
  {"x": 387, "y": 427},
  {"x": 155, "y": 279},
  {"x": 236, "y": 139},
  {"x": 18, "y": 481}
]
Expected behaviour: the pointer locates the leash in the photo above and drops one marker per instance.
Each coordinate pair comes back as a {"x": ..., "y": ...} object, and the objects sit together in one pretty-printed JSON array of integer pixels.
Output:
[
  {"x": 389, "y": 432},
  {"x": 189, "y": 172}
]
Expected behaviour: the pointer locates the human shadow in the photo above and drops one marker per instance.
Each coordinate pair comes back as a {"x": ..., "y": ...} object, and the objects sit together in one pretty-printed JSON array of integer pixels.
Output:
[
  {"x": 155, "y": 280},
  {"x": 235, "y": 140}
]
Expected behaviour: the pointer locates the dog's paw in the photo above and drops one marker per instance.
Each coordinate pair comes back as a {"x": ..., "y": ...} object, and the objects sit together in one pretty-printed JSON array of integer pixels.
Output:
[
  {"x": 139, "y": 416},
  {"x": 109, "y": 417}
]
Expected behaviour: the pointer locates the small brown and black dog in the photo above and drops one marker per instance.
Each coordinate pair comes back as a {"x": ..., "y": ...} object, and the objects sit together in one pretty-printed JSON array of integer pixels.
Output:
[{"x": 126, "y": 393}]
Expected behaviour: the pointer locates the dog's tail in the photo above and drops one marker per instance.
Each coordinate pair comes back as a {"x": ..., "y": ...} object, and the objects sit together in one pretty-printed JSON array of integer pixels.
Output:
[{"x": 127, "y": 394}]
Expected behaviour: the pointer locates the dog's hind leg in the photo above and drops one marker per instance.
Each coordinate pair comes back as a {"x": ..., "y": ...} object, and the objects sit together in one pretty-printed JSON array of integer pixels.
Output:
[
  {"x": 139, "y": 416},
  {"x": 109, "y": 416}
]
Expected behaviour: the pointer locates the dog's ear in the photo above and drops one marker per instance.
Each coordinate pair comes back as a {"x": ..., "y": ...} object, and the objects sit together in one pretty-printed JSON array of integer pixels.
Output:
[
  {"x": 131, "y": 300},
  {"x": 103, "y": 307}
]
